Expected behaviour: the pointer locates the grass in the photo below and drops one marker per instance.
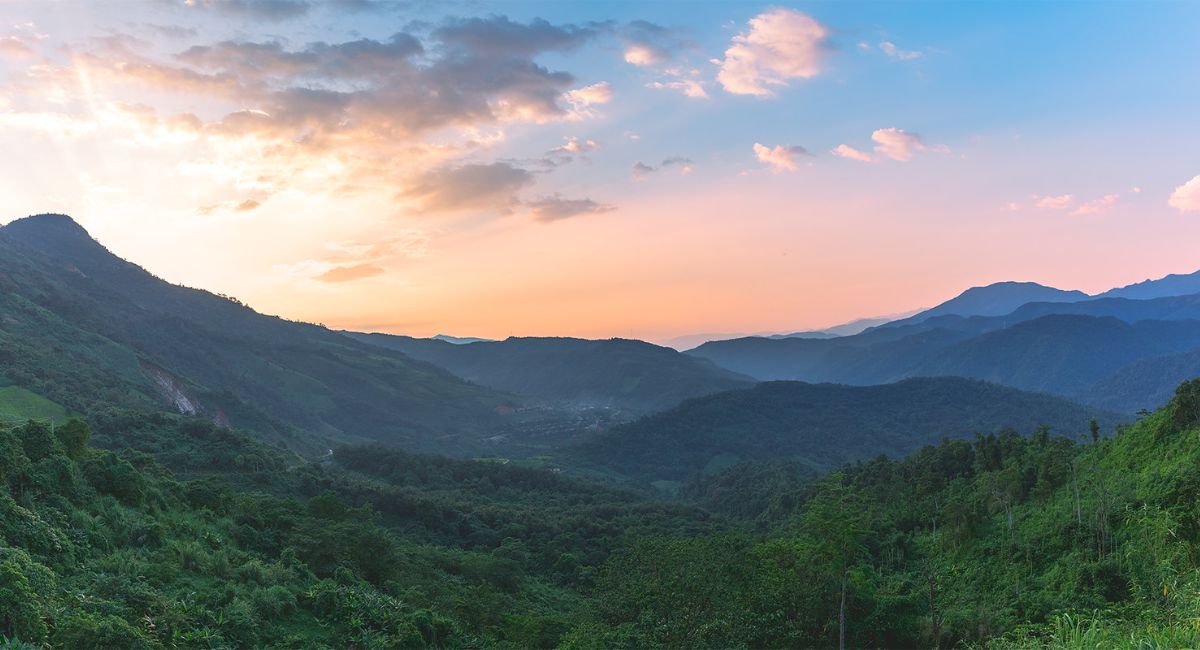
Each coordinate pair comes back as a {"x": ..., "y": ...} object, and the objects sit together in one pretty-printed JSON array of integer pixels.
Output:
[{"x": 16, "y": 403}]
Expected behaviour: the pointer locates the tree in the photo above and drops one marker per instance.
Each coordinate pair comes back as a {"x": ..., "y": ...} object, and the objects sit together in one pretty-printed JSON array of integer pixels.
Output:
[
  {"x": 836, "y": 524},
  {"x": 1094, "y": 427}
]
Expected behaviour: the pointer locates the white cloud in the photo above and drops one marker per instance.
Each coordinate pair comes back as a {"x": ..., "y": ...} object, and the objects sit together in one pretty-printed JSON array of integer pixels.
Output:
[
  {"x": 574, "y": 145},
  {"x": 779, "y": 157},
  {"x": 889, "y": 48},
  {"x": 599, "y": 93},
  {"x": 642, "y": 55},
  {"x": 781, "y": 45},
  {"x": 846, "y": 151},
  {"x": 689, "y": 87},
  {"x": 1186, "y": 197}
]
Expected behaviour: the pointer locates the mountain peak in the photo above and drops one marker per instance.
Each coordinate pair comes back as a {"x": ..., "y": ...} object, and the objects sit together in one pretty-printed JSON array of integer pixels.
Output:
[
  {"x": 995, "y": 299},
  {"x": 58, "y": 236},
  {"x": 47, "y": 223}
]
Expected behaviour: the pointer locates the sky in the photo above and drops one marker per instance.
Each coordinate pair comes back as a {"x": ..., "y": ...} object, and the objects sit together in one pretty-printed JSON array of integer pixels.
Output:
[{"x": 643, "y": 169}]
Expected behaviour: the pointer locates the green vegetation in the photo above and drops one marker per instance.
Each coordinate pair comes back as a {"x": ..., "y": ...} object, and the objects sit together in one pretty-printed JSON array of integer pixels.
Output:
[
  {"x": 1006, "y": 541},
  {"x": 821, "y": 426},
  {"x": 104, "y": 550},
  {"x": 16, "y": 403}
]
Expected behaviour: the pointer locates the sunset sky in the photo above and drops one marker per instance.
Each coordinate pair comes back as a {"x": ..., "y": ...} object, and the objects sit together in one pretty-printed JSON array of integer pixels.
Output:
[{"x": 642, "y": 169}]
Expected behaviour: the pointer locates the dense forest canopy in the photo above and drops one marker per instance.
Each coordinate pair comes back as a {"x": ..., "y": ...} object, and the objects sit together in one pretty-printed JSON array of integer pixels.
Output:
[{"x": 1006, "y": 539}]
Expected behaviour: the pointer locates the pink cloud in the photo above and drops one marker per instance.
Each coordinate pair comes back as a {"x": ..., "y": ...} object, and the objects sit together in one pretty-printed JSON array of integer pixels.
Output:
[
  {"x": 846, "y": 151},
  {"x": 1059, "y": 202},
  {"x": 901, "y": 145},
  {"x": 1097, "y": 206},
  {"x": 1186, "y": 197},
  {"x": 643, "y": 55},
  {"x": 13, "y": 46},
  {"x": 781, "y": 45},
  {"x": 688, "y": 87},
  {"x": 779, "y": 157}
]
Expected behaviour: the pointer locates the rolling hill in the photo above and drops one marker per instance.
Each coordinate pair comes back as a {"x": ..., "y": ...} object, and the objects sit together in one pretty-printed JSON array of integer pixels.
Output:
[
  {"x": 630, "y": 376},
  {"x": 821, "y": 425},
  {"x": 85, "y": 329}
]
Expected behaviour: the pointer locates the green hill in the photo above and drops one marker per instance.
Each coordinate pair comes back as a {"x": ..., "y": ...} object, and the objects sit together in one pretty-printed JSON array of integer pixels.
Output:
[
  {"x": 630, "y": 376},
  {"x": 1003, "y": 542},
  {"x": 374, "y": 549},
  {"x": 821, "y": 425},
  {"x": 84, "y": 329}
]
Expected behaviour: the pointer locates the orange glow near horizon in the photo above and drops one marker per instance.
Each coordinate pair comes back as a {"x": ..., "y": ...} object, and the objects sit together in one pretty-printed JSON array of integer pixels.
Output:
[{"x": 360, "y": 171}]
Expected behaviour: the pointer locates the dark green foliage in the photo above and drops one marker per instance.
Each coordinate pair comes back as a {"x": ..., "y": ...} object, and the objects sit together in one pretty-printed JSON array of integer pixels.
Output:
[
  {"x": 1005, "y": 541},
  {"x": 107, "y": 550},
  {"x": 821, "y": 426}
]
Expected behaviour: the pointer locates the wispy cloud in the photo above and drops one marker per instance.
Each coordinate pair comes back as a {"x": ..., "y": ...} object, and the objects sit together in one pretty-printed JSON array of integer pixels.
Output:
[
  {"x": 14, "y": 47},
  {"x": 471, "y": 187},
  {"x": 1096, "y": 206},
  {"x": 641, "y": 170},
  {"x": 557, "y": 208},
  {"x": 1053, "y": 202},
  {"x": 269, "y": 10},
  {"x": 846, "y": 151},
  {"x": 889, "y": 48}
]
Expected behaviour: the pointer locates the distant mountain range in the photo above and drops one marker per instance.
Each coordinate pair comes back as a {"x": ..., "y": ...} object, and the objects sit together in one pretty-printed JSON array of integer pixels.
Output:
[
  {"x": 845, "y": 329},
  {"x": 84, "y": 332},
  {"x": 1080, "y": 348},
  {"x": 630, "y": 376},
  {"x": 822, "y": 425}
]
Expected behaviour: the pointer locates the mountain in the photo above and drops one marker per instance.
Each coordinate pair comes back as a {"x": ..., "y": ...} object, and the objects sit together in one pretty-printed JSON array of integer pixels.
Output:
[
  {"x": 845, "y": 329},
  {"x": 1171, "y": 285},
  {"x": 85, "y": 329},
  {"x": 995, "y": 300},
  {"x": 1062, "y": 348},
  {"x": 458, "y": 340},
  {"x": 1144, "y": 384},
  {"x": 821, "y": 425},
  {"x": 630, "y": 376},
  {"x": 1064, "y": 354}
]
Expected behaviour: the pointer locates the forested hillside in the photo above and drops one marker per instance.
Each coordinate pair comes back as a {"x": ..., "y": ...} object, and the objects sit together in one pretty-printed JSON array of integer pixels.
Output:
[
  {"x": 111, "y": 550},
  {"x": 82, "y": 327},
  {"x": 821, "y": 426},
  {"x": 630, "y": 376},
  {"x": 1004, "y": 542}
]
